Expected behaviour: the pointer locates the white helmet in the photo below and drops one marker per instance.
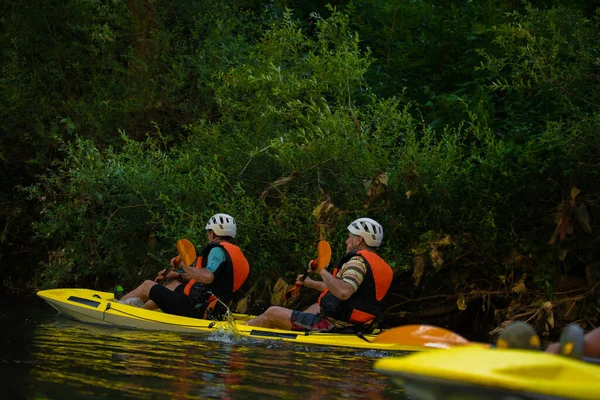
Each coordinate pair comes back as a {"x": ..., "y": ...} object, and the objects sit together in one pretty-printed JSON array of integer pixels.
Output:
[
  {"x": 368, "y": 229},
  {"x": 222, "y": 225}
]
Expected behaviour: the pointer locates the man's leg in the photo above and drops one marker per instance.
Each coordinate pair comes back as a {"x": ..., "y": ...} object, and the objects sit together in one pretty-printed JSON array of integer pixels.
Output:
[
  {"x": 150, "y": 305},
  {"x": 172, "y": 301},
  {"x": 592, "y": 344},
  {"x": 313, "y": 309},
  {"x": 274, "y": 317},
  {"x": 141, "y": 291}
]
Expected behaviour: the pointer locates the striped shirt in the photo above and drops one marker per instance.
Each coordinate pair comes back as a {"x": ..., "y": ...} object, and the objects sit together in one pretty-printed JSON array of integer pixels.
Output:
[{"x": 353, "y": 272}]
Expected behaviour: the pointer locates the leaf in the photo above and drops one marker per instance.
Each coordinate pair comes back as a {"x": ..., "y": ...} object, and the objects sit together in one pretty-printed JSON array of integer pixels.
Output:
[
  {"x": 591, "y": 273},
  {"x": 242, "y": 305},
  {"x": 326, "y": 213},
  {"x": 281, "y": 287},
  {"x": 376, "y": 188},
  {"x": 461, "y": 303},
  {"x": 408, "y": 194},
  {"x": 436, "y": 258},
  {"x": 445, "y": 241},
  {"x": 574, "y": 192},
  {"x": 418, "y": 269},
  {"x": 550, "y": 319},
  {"x": 583, "y": 218},
  {"x": 520, "y": 286},
  {"x": 279, "y": 182}
]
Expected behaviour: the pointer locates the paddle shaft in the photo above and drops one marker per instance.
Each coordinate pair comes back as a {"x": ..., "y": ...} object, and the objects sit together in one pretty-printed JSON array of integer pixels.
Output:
[
  {"x": 294, "y": 290},
  {"x": 323, "y": 259},
  {"x": 164, "y": 279},
  {"x": 186, "y": 253},
  {"x": 304, "y": 275}
]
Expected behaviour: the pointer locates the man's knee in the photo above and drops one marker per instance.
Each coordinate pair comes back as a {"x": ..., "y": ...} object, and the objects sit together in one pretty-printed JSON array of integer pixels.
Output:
[
  {"x": 147, "y": 285},
  {"x": 271, "y": 311}
]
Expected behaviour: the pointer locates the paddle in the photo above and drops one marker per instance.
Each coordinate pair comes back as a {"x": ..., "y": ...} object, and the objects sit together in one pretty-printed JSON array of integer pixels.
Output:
[
  {"x": 323, "y": 260},
  {"x": 423, "y": 336},
  {"x": 186, "y": 253}
]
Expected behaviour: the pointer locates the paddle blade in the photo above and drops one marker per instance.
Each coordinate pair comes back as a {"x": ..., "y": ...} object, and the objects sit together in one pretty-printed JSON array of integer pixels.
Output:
[
  {"x": 422, "y": 335},
  {"x": 324, "y": 254},
  {"x": 187, "y": 252},
  {"x": 323, "y": 259},
  {"x": 291, "y": 293}
]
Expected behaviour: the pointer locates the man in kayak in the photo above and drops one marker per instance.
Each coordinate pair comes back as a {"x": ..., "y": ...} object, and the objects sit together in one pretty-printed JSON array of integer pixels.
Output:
[
  {"x": 591, "y": 345},
  {"x": 572, "y": 343},
  {"x": 220, "y": 270},
  {"x": 350, "y": 297}
]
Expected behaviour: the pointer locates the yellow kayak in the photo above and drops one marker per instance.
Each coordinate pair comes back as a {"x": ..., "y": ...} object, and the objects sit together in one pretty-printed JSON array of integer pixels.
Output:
[
  {"x": 98, "y": 307},
  {"x": 475, "y": 373}
]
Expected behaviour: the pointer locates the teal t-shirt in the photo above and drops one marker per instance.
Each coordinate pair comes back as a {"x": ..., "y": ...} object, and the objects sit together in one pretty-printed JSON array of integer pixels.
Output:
[{"x": 215, "y": 258}]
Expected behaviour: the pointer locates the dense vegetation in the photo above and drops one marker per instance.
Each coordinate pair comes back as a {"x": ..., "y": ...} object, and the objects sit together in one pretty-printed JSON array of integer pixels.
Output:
[{"x": 468, "y": 129}]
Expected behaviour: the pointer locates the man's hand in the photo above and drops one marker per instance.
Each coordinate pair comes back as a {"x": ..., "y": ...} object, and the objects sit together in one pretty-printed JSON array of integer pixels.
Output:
[
  {"x": 173, "y": 275},
  {"x": 309, "y": 283},
  {"x": 306, "y": 282},
  {"x": 160, "y": 277},
  {"x": 175, "y": 262}
]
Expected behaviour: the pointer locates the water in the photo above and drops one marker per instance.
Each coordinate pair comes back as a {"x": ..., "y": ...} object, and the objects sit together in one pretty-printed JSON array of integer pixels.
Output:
[{"x": 46, "y": 355}]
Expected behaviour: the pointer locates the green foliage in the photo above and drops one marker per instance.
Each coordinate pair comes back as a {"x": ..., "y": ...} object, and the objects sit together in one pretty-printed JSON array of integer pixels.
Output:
[{"x": 476, "y": 118}]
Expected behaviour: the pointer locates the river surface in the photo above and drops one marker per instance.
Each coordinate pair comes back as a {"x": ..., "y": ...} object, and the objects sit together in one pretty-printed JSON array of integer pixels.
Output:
[{"x": 45, "y": 355}]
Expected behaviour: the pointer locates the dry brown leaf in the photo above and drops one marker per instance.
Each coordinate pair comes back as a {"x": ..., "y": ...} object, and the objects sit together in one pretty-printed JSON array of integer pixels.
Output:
[
  {"x": 501, "y": 327},
  {"x": 376, "y": 188},
  {"x": 461, "y": 303},
  {"x": 574, "y": 192},
  {"x": 583, "y": 218},
  {"x": 408, "y": 194},
  {"x": 242, "y": 305},
  {"x": 520, "y": 287},
  {"x": 279, "y": 182},
  {"x": 563, "y": 254},
  {"x": 418, "y": 251},
  {"x": 326, "y": 213},
  {"x": 445, "y": 241},
  {"x": 281, "y": 287},
  {"x": 550, "y": 319},
  {"x": 418, "y": 269},
  {"x": 591, "y": 273},
  {"x": 436, "y": 258}
]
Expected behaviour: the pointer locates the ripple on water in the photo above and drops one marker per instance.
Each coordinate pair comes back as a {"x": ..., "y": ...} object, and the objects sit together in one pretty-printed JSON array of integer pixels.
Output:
[{"x": 76, "y": 360}]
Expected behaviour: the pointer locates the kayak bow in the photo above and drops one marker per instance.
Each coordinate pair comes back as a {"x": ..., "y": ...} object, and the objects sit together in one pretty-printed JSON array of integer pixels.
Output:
[{"x": 492, "y": 373}]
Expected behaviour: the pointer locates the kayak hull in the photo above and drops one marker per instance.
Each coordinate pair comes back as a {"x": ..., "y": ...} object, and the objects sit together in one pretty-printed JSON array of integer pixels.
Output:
[
  {"x": 92, "y": 306},
  {"x": 499, "y": 373}
]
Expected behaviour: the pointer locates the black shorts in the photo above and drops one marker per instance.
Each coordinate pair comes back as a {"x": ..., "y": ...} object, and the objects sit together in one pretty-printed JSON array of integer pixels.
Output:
[{"x": 174, "y": 301}]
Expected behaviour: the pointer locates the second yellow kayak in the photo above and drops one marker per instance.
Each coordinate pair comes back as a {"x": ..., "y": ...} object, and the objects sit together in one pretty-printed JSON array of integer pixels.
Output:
[{"x": 471, "y": 372}]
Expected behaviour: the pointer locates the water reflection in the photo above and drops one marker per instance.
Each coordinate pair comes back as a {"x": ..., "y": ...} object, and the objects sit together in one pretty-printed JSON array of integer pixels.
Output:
[{"x": 76, "y": 360}]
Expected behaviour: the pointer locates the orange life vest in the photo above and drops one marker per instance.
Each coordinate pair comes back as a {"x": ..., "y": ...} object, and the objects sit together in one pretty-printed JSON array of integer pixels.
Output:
[
  {"x": 230, "y": 275},
  {"x": 364, "y": 305}
]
